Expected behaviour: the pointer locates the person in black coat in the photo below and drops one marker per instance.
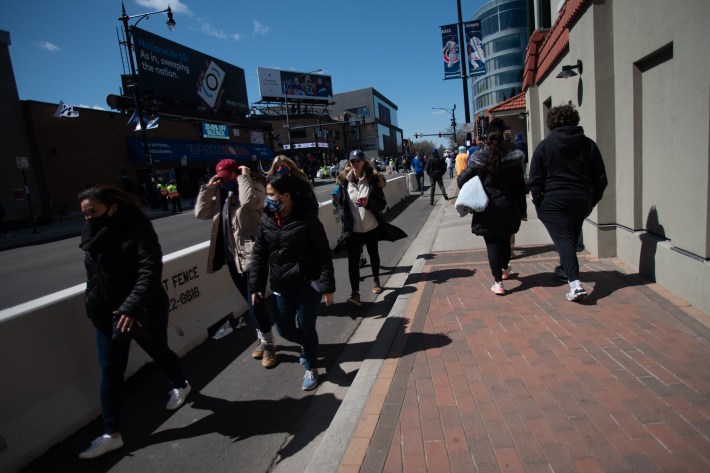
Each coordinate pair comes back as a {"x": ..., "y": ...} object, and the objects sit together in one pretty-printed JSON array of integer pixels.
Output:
[
  {"x": 292, "y": 251},
  {"x": 435, "y": 168},
  {"x": 500, "y": 169},
  {"x": 567, "y": 179},
  {"x": 124, "y": 299}
]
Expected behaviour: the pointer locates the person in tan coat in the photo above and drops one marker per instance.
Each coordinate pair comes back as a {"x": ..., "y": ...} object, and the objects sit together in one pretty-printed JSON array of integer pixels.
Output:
[{"x": 234, "y": 199}]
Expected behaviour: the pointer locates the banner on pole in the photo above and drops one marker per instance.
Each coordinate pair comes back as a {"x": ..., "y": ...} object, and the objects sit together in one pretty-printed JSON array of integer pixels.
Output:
[
  {"x": 474, "y": 48},
  {"x": 450, "y": 43}
]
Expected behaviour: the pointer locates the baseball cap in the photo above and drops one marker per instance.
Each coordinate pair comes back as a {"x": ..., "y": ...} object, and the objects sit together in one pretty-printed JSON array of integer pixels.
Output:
[
  {"x": 225, "y": 168},
  {"x": 356, "y": 154},
  {"x": 462, "y": 149},
  {"x": 435, "y": 151}
]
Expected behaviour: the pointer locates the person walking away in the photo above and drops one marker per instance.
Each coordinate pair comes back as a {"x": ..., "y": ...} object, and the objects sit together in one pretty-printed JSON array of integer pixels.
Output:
[
  {"x": 499, "y": 167},
  {"x": 418, "y": 168},
  {"x": 359, "y": 200},
  {"x": 567, "y": 179},
  {"x": 521, "y": 145},
  {"x": 163, "y": 193},
  {"x": 461, "y": 160},
  {"x": 174, "y": 197},
  {"x": 292, "y": 252},
  {"x": 124, "y": 299},
  {"x": 450, "y": 163},
  {"x": 234, "y": 200},
  {"x": 435, "y": 169}
]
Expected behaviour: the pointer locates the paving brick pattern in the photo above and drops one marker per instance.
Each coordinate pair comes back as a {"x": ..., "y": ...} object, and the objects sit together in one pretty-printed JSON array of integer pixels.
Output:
[{"x": 530, "y": 382}]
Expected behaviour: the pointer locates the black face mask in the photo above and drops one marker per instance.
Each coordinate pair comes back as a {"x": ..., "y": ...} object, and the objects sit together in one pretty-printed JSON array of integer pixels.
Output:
[{"x": 97, "y": 223}]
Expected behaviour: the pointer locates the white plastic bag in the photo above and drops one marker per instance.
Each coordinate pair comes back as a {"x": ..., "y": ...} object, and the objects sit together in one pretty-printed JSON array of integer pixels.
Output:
[{"x": 472, "y": 197}]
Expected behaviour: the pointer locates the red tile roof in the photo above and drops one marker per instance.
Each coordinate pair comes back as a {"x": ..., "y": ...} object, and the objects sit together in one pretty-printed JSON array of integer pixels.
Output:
[
  {"x": 516, "y": 102},
  {"x": 546, "y": 47}
]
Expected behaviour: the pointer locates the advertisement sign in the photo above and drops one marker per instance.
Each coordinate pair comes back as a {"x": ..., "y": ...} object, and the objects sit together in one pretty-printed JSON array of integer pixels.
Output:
[
  {"x": 474, "y": 48},
  {"x": 175, "y": 72},
  {"x": 215, "y": 131},
  {"x": 300, "y": 86},
  {"x": 450, "y": 42},
  {"x": 171, "y": 151}
]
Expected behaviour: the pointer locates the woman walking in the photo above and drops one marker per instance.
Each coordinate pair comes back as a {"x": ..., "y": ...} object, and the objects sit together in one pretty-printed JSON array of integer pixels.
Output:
[
  {"x": 500, "y": 169},
  {"x": 292, "y": 250},
  {"x": 359, "y": 198},
  {"x": 567, "y": 179},
  {"x": 124, "y": 299}
]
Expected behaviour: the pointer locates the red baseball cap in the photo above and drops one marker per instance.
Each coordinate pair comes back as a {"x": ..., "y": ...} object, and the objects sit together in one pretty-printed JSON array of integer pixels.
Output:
[{"x": 226, "y": 167}]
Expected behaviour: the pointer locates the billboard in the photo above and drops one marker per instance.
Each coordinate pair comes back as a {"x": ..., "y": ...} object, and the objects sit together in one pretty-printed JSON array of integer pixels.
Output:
[
  {"x": 474, "y": 48},
  {"x": 275, "y": 84},
  {"x": 175, "y": 72},
  {"x": 167, "y": 151},
  {"x": 450, "y": 43}
]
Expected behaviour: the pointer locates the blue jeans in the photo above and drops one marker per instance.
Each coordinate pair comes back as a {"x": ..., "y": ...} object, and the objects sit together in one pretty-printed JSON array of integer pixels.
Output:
[
  {"x": 420, "y": 181},
  {"x": 113, "y": 358},
  {"x": 295, "y": 319}
]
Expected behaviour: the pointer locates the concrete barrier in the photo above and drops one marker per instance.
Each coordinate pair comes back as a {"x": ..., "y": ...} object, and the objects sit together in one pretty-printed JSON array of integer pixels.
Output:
[{"x": 47, "y": 351}]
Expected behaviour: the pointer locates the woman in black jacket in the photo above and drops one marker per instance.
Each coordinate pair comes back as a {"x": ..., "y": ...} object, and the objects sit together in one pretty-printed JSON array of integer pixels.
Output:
[
  {"x": 500, "y": 169},
  {"x": 291, "y": 248},
  {"x": 124, "y": 299},
  {"x": 567, "y": 179}
]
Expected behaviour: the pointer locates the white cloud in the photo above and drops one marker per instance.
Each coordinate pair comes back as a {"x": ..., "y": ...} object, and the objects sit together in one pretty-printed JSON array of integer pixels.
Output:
[
  {"x": 47, "y": 46},
  {"x": 260, "y": 28},
  {"x": 207, "y": 28},
  {"x": 175, "y": 5}
]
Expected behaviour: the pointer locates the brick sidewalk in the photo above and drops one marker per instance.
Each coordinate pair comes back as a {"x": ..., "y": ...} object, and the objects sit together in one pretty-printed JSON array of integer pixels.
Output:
[{"x": 529, "y": 382}]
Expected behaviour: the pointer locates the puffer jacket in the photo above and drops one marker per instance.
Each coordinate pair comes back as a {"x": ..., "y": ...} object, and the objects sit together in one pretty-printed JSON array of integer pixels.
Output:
[
  {"x": 292, "y": 254},
  {"x": 245, "y": 211},
  {"x": 506, "y": 194},
  {"x": 124, "y": 268}
]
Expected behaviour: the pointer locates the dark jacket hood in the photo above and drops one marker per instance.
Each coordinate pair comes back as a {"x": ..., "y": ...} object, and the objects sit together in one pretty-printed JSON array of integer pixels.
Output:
[{"x": 513, "y": 158}]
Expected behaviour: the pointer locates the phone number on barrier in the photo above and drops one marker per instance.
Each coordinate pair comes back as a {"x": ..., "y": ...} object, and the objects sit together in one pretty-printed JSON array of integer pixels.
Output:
[{"x": 184, "y": 298}]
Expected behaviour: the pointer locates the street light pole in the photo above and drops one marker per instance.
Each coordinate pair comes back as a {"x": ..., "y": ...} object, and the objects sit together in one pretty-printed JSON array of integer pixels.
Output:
[
  {"x": 142, "y": 119},
  {"x": 288, "y": 122},
  {"x": 453, "y": 118}
]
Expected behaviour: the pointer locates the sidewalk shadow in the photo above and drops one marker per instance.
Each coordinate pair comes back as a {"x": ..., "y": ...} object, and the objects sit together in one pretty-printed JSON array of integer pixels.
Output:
[
  {"x": 441, "y": 276},
  {"x": 528, "y": 251}
]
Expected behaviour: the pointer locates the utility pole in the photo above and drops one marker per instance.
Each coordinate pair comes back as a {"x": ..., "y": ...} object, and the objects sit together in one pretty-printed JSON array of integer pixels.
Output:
[{"x": 464, "y": 71}]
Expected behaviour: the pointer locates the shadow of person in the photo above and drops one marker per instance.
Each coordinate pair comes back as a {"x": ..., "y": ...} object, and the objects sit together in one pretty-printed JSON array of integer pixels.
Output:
[
  {"x": 654, "y": 234},
  {"x": 441, "y": 276}
]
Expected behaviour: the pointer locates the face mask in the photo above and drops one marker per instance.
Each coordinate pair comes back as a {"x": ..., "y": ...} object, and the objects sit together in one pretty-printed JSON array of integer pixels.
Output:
[
  {"x": 230, "y": 186},
  {"x": 275, "y": 205},
  {"x": 99, "y": 222},
  {"x": 283, "y": 171}
]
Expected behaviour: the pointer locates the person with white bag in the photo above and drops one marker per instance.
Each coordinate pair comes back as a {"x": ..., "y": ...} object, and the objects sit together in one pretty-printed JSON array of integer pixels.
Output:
[{"x": 500, "y": 169}]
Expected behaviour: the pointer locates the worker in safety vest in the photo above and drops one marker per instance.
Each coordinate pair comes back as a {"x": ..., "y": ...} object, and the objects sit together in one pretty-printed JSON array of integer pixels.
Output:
[
  {"x": 174, "y": 197},
  {"x": 163, "y": 191}
]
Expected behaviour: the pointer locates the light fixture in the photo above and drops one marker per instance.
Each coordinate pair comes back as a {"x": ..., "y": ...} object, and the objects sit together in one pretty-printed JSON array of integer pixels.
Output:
[
  {"x": 567, "y": 71},
  {"x": 170, "y": 22},
  {"x": 523, "y": 115}
]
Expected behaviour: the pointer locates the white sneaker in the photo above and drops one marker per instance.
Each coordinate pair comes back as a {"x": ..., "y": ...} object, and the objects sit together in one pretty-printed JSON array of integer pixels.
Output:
[
  {"x": 576, "y": 293},
  {"x": 178, "y": 396},
  {"x": 506, "y": 272},
  {"x": 498, "y": 288},
  {"x": 101, "y": 445}
]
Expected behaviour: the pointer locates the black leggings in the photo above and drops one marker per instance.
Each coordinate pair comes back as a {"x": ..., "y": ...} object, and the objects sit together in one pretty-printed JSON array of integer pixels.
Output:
[
  {"x": 498, "y": 255},
  {"x": 355, "y": 242}
]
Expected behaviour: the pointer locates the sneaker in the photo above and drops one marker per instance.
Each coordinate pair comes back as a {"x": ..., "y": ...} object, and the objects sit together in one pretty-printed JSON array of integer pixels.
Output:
[
  {"x": 310, "y": 380},
  {"x": 376, "y": 288},
  {"x": 178, "y": 396},
  {"x": 506, "y": 272},
  {"x": 268, "y": 359},
  {"x": 363, "y": 262},
  {"x": 576, "y": 294},
  {"x": 302, "y": 357},
  {"x": 258, "y": 352},
  {"x": 355, "y": 299},
  {"x": 498, "y": 288},
  {"x": 101, "y": 445},
  {"x": 560, "y": 273}
]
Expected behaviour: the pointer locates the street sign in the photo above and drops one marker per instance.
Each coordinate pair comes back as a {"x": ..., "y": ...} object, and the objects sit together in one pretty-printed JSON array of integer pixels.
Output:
[
  {"x": 467, "y": 128},
  {"x": 22, "y": 162}
]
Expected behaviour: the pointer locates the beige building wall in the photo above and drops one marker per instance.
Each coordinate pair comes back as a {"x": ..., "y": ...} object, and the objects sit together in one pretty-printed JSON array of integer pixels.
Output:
[{"x": 644, "y": 97}]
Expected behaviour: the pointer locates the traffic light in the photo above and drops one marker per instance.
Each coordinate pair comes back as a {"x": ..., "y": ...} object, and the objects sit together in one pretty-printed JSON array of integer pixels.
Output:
[
  {"x": 439, "y": 134},
  {"x": 150, "y": 104}
]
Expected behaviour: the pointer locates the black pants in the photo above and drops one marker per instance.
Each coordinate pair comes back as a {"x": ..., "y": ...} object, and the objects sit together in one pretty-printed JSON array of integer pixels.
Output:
[
  {"x": 563, "y": 216},
  {"x": 258, "y": 316},
  {"x": 498, "y": 255},
  {"x": 436, "y": 180},
  {"x": 177, "y": 204},
  {"x": 354, "y": 246}
]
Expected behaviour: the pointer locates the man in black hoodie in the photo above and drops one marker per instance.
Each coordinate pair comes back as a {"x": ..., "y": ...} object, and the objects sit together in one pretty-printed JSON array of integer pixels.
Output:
[
  {"x": 567, "y": 179},
  {"x": 435, "y": 169}
]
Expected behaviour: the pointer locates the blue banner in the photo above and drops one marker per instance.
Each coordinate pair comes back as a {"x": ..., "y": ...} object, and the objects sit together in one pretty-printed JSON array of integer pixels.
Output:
[
  {"x": 451, "y": 51},
  {"x": 170, "y": 151},
  {"x": 474, "y": 48}
]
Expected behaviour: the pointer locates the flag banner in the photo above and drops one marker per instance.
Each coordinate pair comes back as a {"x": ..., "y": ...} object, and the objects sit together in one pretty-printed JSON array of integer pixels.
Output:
[
  {"x": 151, "y": 122},
  {"x": 65, "y": 111},
  {"x": 474, "y": 48},
  {"x": 450, "y": 43}
]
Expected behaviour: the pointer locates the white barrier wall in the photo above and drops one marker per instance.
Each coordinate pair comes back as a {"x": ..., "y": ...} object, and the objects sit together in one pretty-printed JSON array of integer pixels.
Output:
[{"x": 48, "y": 361}]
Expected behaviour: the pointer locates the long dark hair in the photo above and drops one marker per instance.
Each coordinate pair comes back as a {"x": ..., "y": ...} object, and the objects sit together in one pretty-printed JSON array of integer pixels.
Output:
[
  {"x": 300, "y": 191},
  {"x": 495, "y": 150},
  {"x": 127, "y": 204}
]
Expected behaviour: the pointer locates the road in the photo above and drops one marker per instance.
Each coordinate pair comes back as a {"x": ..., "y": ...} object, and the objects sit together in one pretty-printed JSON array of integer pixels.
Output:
[{"x": 38, "y": 270}]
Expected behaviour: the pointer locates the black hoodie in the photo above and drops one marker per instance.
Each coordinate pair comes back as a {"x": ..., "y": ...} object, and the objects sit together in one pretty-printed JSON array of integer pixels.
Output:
[{"x": 567, "y": 162}]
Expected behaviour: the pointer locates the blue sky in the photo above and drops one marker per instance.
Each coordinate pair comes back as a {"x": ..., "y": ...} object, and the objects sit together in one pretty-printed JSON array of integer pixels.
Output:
[{"x": 68, "y": 50}]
